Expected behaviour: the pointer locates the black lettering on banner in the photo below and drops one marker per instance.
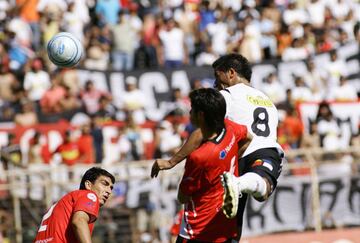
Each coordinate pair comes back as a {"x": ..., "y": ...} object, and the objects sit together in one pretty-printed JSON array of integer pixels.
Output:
[
  {"x": 253, "y": 213},
  {"x": 338, "y": 184},
  {"x": 304, "y": 200},
  {"x": 354, "y": 189},
  {"x": 279, "y": 190},
  {"x": 260, "y": 125}
]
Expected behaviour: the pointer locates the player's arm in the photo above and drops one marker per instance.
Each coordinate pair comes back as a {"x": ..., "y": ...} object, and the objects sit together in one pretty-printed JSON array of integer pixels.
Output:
[
  {"x": 182, "y": 198},
  {"x": 190, "y": 145},
  {"x": 80, "y": 224}
]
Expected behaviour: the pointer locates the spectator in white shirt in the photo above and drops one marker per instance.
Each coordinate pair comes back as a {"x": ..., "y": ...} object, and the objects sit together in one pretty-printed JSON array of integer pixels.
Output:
[
  {"x": 316, "y": 11},
  {"x": 73, "y": 23},
  {"x": 268, "y": 38},
  {"x": 173, "y": 43},
  {"x": 274, "y": 89},
  {"x": 345, "y": 91},
  {"x": 334, "y": 69},
  {"x": 293, "y": 14},
  {"x": 218, "y": 32},
  {"x": 167, "y": 141},
  {"x": 340, "y": 9},
  {"x": 301, "y": 93},
  {"x": 36, "y": 81},
  {"x": 297, "y": 51},
  {"x": 251, "y": 44},
  {"x": 134, "y": 100},
  {"x": 206, "y": 57},
  {"x": 315, "y": 81}
]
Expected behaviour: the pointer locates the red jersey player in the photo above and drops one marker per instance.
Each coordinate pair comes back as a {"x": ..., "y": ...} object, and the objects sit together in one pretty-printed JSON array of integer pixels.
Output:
[
  {"x": 72, "y": 218},
  {"x": 200, "y": 188}
]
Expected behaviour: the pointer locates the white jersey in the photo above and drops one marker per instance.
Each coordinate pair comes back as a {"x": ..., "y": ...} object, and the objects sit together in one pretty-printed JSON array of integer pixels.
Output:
[{"x": 252, "y": 108}]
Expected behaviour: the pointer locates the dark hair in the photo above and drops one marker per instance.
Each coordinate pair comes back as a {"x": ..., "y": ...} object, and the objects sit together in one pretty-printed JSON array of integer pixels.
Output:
[
  {"x": 92, "y": 174},
  {"x": 323, "y": 104},
  {"x": 212, "y": 103},
  {"x": 236, "y": 61}
]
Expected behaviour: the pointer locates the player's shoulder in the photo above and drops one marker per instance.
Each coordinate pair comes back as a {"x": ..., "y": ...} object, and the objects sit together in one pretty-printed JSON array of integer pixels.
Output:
[
  {"x": 241, "y": 89},
  {"x": 77, "y": 194},
  {"x": 234, "y": 127},
  {"x": 230, "y": 124}
]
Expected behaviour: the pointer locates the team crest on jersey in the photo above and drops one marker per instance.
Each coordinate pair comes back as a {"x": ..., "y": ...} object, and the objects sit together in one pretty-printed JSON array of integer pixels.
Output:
[
  {"x": 259, "y": 101},
  {"x": 222, "y": 154},
  {"x": 92, "y": 196}
]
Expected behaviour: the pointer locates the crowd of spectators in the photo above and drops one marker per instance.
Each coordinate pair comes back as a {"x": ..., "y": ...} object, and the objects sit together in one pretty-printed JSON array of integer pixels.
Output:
[
  {"x": 124, "y": 35},
  {"x": 176, "y": 32}
]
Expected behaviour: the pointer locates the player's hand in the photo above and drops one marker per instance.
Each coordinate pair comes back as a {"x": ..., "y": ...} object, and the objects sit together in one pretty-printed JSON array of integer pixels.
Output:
[{"x": 160, "y": 164}]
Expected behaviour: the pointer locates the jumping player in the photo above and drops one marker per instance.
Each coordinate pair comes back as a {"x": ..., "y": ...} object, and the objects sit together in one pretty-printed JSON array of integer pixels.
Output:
[
  {"x": 261, "y": 163},
  {"x": 200, "y": 188}
]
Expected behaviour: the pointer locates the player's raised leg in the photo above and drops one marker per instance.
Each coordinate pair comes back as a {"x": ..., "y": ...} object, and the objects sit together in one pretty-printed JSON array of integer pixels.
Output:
[{"x": 231, "y": 195}]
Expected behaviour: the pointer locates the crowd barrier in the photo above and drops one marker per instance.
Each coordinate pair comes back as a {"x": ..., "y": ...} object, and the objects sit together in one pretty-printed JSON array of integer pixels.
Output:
[{"x": 327, "y": 196}]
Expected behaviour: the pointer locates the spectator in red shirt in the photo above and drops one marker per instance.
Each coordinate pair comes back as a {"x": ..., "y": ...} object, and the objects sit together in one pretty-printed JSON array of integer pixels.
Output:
[
  {"x": 86, "y": 147},
  {"x": 72, "y": 218},
  {"x": 293, "y": 127},
  {"x": 69, "y": 149},
  {"x": 51, "y": 100}
]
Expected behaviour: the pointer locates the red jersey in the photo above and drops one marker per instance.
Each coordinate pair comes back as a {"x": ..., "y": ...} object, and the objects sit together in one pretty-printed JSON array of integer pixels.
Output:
[
  {"x": 203, "y": 218},
  {"x": 69, "y": 152},
  {"x": 55, "y": 226},
  {"x": 86, "y": 148}
]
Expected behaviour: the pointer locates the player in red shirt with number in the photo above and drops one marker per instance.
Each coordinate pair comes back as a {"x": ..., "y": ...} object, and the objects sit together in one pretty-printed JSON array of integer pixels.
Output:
[
  {"x": 200, "y": 188},
  {"x": 72, "y": 218}
]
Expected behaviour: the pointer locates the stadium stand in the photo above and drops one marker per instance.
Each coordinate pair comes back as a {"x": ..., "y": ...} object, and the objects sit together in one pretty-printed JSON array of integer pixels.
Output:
[{"x": 127, "y": 103}]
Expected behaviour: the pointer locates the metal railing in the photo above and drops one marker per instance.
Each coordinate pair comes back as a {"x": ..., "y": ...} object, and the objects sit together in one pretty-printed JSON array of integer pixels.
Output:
[{"x": 18, "y": 179}]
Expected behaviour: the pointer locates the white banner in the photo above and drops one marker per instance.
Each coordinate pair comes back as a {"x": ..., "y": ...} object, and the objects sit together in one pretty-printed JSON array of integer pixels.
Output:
[{"x": 289, "y": 208}]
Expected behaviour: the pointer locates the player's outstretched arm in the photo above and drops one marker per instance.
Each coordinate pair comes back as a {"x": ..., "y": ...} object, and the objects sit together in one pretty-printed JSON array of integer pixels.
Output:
[
  {"x": 79, "y": 223},
  {"x": 190, "y": 145},
  {"x": 182, "y": 198}
]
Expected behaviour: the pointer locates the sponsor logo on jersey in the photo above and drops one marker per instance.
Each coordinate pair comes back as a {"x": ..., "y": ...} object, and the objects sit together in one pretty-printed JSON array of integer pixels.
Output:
[
  {"x": 259, "y": 101},
  {"x": 224, "y": 152},
  {"x": 45, "y": 240},
  {"x": 92, "y": 196}
]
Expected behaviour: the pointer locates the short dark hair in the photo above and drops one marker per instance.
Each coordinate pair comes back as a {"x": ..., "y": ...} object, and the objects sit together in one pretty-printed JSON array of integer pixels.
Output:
[
  {"x": 212, "y": 103},
  {"x": 92, "y": 174},
  {"x": 236, "y": 61}
]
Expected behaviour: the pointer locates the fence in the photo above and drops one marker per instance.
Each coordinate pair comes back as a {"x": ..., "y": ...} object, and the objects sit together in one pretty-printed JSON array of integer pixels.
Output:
[{"x": 317, "y": 189}]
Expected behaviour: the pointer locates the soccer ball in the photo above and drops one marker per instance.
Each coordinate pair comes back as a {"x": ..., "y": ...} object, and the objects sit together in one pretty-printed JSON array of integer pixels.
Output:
[{"x": 64, "y": 50}]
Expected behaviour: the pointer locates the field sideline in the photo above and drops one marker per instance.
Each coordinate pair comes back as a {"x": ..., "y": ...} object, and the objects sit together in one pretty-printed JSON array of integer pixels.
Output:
[{"x": 351, "y": 235}]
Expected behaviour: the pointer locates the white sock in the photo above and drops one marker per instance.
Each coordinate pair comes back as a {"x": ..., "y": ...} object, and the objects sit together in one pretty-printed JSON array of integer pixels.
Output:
[{"x": 252, "y": 183}]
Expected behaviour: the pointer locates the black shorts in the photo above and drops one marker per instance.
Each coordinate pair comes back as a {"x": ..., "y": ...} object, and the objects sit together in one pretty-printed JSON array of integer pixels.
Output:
[
  {"x": 183, "y": 240},
  {"x": 266, "y": 162}
]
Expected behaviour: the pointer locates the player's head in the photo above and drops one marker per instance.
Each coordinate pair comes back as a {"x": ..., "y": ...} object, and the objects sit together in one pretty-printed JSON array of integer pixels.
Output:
[
  {"x": 208, "y": 107},
  {"x": 99, "y": 181},
  {"x": 230, "y": 70}
]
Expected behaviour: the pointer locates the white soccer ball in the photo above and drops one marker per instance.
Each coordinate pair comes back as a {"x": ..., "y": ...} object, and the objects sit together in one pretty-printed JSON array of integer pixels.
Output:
[{"x": 64, "y": 50}]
